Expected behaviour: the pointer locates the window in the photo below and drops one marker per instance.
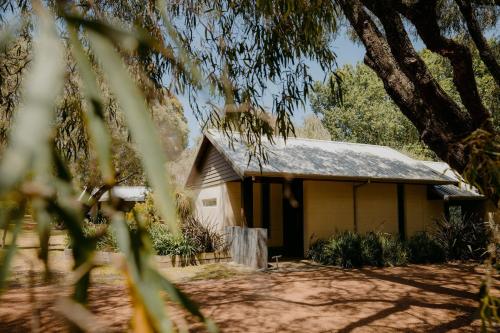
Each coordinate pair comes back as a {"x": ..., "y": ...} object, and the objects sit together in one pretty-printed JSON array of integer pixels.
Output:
[{"x": 209, "y": 202}]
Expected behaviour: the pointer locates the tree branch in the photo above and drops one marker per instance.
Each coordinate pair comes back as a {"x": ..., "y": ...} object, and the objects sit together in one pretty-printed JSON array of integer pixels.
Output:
[
  {"x": 485, "y": 51},
  {"x": 424, "y": 16},
  {"x": 407, "y": 80},
  {"x": 446, "y": 112},
  {"x": 396, "y": 82}
]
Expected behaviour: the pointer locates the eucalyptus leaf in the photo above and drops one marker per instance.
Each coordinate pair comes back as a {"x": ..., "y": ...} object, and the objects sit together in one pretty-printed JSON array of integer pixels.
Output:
[
  {"x": 99, "y": 134},
  {"x": 182, "y": 299},
  {"x": 140, "y": 124},
  {"x": 140, "y": 273},
  {"x": 32, "y": 124},
  {"x": 15, "y": 216}
]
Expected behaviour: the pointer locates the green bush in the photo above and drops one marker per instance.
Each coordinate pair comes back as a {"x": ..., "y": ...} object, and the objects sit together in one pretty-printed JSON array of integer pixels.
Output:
[
  {"x": 462, "y": 237},
  {"x": 160, "y": 237},
  {"x": 425, "y": 250},
  {"x": 316, "y": 251},
  {"x": 344, "y": 250},
  {"x": 395, "y": 252},
  {"x": 195, "y": 237},
  {"x": 348, "y": 249},
  {"x": 105, "y": 239},
  {"x": 178, "y": 246},
  {"x": 372, "y": 249}
]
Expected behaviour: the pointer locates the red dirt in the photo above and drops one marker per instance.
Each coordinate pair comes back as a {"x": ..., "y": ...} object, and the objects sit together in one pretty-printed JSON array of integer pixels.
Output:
[{"x": 299, "y": 298}]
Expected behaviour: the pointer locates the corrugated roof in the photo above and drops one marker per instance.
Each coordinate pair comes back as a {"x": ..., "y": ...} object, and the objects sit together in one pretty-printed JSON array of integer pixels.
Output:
[
  {"x": 327, "y": 159},
  {"x": 127, "y": 193},
  {"x": 452, "y": 192},
  {"x": 462, "y": 191}
]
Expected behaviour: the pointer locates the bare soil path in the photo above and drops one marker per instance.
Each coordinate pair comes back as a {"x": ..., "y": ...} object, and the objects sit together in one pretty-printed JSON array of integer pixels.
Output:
[
  {"x": 299, "y": 297},
  {"x": 431, "y": 298}
]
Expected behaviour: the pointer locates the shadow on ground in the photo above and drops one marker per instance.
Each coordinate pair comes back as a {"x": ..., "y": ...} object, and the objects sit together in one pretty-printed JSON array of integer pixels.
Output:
[
  {"x": 303, "y": 297},
  {"x": 300, "y": 297}
]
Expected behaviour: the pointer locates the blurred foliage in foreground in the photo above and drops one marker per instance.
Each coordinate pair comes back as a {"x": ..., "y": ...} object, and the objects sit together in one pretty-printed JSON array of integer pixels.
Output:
[
  {"x": 225, "y": 55},
  {"x": 196, "y": 237},
  {"x": 42, "y": 136}
]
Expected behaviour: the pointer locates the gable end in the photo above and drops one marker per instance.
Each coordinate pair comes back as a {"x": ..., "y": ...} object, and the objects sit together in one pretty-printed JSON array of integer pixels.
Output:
[{"x": 210, "y": 168}]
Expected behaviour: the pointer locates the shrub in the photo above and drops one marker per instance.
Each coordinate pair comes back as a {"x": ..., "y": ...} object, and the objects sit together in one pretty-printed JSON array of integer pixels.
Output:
[
  {"x": 348, "y": 249},
  {"x": 316, "y": 251},
  {"x": 177, "y": 245},
  {"x": 160, "y": 237},
  {"x": 372, "y": 250},
  {"x": 344, "y": 250},
  {"x": 424, "y": 249},
  {"x": 106, "y": 240},
  {"x": 205, "y": 235},
  {"x": 146, "y": 210},
  {"x": 195, "y": 237},
  {"x": 462, "y": 237},
  {"x": 98, "y": 218},
  {"x": 383, "y": 249},
  {"x": 395, "y": 252}
]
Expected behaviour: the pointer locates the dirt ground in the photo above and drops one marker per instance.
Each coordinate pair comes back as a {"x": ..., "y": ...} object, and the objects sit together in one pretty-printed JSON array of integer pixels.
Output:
[{"x": 298, "y": 297}]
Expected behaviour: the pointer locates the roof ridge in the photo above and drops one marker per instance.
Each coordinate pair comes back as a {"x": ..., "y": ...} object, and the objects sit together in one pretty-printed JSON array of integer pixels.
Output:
[
  {"x": 320, "y": 140},
  {"x": 355, "y": 167}
]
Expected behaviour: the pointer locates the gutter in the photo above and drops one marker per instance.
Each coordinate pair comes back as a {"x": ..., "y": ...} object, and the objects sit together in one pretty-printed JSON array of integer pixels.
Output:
[
  {"x": 311, "y": 176},
  {"x": 449, "y": 198}
]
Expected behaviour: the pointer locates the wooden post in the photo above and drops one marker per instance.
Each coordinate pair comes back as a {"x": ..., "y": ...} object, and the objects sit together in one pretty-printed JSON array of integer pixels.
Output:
[
  {"x": 401, "y": 212},
  {"x": 247, "y": 201}
]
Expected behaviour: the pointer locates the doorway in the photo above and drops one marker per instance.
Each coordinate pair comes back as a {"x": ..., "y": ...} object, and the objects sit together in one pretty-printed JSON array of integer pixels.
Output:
[{"x": 293, "y": 219}]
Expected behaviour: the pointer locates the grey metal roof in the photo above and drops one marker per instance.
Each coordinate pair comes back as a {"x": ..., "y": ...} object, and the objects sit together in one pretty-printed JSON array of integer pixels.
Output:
[
  {"x": 127, "y": 193},
  {"x": 452, "y": 192},
  {"x": 462, "y": 191},
  {"x": 307, "y": 158}
]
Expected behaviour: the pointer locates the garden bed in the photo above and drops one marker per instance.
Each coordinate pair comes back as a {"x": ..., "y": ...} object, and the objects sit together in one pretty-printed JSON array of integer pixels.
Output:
[{"x": 105, "y": 257}]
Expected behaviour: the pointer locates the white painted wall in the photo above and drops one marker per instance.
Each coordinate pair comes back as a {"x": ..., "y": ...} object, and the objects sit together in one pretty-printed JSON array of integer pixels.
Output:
[{"x": 226, "y": 212}]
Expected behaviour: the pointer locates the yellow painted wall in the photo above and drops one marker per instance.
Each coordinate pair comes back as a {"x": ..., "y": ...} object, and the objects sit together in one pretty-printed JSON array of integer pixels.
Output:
[
  {"x": 233, "y": 204},
  {"x": 327, "y": 208},
  {"x": 420, "y": 212},
  {"x": 377, "y": 208},
  {"x": 232, "y": 209}
]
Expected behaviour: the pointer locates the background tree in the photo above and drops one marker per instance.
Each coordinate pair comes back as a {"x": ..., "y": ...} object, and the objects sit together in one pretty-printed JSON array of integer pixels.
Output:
[
  {"x": 368, "y": 115},
  {"x": 312, "y": 128},
  {"x": 456, "y": 133},
  {"x": 231, "y": 52},
  {"x": 71, "y": 137}
]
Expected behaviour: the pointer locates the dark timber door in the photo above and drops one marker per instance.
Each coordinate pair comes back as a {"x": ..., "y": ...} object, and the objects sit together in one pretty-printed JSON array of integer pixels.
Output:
[{"x": 293, "y": 225}]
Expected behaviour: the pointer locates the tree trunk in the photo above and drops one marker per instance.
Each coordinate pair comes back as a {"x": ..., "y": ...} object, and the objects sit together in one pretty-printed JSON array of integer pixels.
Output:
[{"x": 441, "y": 122}]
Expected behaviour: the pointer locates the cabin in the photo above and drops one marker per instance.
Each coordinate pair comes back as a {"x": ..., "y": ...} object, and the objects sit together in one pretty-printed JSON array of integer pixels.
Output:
[
  {"x": 308, "y": 189},
  {"x": 127, "y": 196}
]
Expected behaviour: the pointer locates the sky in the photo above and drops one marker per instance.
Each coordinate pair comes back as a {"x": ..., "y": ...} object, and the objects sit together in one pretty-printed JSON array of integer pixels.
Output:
[{"x": 347, "y": 53}]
